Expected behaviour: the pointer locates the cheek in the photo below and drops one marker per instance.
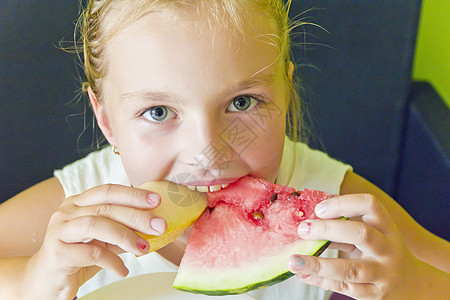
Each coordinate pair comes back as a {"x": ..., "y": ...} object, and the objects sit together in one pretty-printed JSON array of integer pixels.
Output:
[
  {"x": 146, "y": 155},
  {"x": 145, "y": 162},
  {"x": 265, "y": 153}
]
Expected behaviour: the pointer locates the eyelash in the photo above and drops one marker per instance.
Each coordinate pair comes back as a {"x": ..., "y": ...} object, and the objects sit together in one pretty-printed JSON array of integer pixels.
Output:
[
  {"x": 148, "y": 110},
  {"x": 257, "y": 98}
]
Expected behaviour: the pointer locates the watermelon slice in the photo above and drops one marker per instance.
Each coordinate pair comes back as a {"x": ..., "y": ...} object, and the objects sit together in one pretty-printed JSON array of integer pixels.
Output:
[{"x": 243, "y": 241}]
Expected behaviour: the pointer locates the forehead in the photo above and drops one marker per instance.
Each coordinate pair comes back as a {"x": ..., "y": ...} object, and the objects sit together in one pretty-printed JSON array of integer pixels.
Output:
[
  {"x": 240, "y": 18},
  {"x": 191, "y": 45}
]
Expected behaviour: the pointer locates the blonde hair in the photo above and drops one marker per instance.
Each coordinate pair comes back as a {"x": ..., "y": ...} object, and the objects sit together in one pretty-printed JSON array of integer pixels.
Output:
[{"x": 101, "y": 19}]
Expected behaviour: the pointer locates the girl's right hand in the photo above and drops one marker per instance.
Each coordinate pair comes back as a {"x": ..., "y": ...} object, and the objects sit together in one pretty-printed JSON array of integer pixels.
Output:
[{"x": 86, "y": 233}]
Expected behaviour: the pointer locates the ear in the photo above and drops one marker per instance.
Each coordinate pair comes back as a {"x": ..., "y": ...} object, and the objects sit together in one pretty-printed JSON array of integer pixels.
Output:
[
  {"x": 101, "y": 116},
  {"x": 291, "y": 70},
  {"x": 290, "y": 73}
]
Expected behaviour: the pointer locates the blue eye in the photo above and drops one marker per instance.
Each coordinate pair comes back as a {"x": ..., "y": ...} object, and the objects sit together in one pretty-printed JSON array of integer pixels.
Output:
[
  {"x": 158, "y": 114},
  {"x": 242, "y": 103}
]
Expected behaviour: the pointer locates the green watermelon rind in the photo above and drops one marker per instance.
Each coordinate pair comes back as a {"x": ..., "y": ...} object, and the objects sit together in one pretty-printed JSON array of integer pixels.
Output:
[{"x": 322, "y": 245}]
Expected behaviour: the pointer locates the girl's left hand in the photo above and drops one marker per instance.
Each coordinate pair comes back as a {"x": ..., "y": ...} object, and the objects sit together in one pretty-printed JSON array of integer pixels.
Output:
[{"x": 380, "y": 266}]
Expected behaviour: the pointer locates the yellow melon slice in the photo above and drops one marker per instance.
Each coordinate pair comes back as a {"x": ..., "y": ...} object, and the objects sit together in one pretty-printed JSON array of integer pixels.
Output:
[{"x": 180, "y": 207}]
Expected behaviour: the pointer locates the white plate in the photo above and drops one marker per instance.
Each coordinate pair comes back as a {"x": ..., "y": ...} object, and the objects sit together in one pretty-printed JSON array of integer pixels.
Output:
[{"x": 150, "y": 286}]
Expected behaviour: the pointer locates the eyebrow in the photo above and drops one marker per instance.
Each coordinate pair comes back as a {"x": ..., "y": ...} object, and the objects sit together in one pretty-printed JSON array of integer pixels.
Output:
[
  {"x": 149, "y": 95},
  {"x": 259, "y": 80},
  {"x": 266, "y": 80}
]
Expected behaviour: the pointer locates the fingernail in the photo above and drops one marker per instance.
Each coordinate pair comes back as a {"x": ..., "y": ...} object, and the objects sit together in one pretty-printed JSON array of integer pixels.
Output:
[
  {"x": 297, "y": 263},
  {"x": 124, "y": 272},
  {"x": 159, "y": 225},
  {"x": 321, "y": 208},
  {"x": 304, "y": 228},
  {"x": 306, "y": 276},
  {"x": 142, "y": 245},
  {"x": 153, "y": 199}
]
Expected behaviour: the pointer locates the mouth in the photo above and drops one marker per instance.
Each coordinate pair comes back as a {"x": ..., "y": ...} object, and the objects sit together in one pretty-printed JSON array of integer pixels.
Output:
[
  {"x": 209, "y": 186},
  {"x": 206, "y": 188}
]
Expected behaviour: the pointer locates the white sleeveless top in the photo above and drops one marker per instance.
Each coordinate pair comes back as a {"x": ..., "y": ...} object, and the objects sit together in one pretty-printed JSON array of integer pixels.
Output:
[{"x": 301, "y": 167}]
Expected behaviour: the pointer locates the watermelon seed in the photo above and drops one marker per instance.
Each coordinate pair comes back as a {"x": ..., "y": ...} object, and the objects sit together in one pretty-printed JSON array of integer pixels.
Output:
[
  {"x": 210, "y": 209},
  {"x": 257, "y": 215},
  {"x": 273, "y": 198},
  {"x": 294, "y": 194},
  {"x": 300, "y": 213}
]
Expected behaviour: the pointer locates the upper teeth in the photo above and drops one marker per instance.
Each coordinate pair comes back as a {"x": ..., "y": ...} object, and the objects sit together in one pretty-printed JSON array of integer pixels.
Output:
[{"x": 204, "y": 189}]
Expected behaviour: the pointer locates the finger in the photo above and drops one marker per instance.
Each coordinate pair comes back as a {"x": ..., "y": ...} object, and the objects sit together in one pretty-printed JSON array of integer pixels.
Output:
[
  {"x": 354, "y": 205},
  {"x": 354, "y": 290},
  {"x": 85, "y": 255},
  {"x": 118, "y": 195},
  {"x": 349, "y": 248},
  {"x": 136, "y": 219},
  {"x": 113, "y": 248},
  {"x": 87, "y": 228},
  {"x": 364, "y": 237},
  {"x": 349, "y": 270}
]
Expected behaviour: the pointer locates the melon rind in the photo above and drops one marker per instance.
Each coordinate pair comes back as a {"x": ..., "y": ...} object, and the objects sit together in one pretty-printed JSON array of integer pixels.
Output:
[{"x": 266, "y": 272}]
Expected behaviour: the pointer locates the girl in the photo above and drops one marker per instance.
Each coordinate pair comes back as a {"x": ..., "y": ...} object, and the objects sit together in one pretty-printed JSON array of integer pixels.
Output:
[{"x": 201, "y": 88}]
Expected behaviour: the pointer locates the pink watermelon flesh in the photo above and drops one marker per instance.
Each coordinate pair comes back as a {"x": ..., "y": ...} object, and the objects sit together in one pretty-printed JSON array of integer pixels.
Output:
[{"x": 246, "y": 224}]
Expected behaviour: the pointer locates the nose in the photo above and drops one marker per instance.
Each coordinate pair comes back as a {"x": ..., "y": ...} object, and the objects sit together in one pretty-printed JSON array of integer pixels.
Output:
[{"x": 204, "y": 146}]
